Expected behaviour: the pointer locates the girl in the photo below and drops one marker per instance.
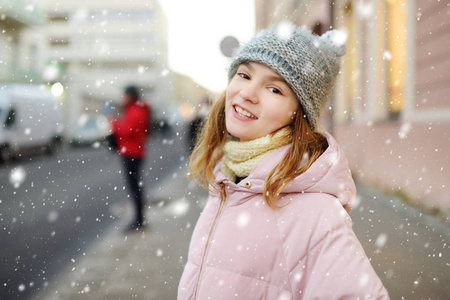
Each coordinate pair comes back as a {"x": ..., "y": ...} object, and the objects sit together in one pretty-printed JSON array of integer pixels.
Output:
[{"x": 276, "y": 223}]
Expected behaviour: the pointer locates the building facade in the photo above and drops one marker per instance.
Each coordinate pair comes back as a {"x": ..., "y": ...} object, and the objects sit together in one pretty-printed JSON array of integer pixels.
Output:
[
  {"x": 97, "y": 48},
  {"x": 314, "y": 14},
  {"x": 390, "y": 109},
  {"x": 20, "y": 40}
]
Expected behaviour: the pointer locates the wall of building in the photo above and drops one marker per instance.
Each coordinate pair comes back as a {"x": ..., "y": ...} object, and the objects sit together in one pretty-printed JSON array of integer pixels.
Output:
[
  {"x": 309, "y": 13},
  {"x": 396, "y": 128},
  {"x": 101, "y": 47},
  {"x": 19, "y": 59},
  {"x": 432, "y": 51}
]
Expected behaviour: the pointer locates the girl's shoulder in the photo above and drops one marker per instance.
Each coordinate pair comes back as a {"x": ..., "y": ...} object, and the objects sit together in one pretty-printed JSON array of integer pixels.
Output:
[{"x": 316, "y": 211}]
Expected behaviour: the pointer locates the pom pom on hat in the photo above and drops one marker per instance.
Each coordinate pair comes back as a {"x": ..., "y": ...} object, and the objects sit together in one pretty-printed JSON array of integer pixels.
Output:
[
  {"x": 336, "y": 40},
  {"x": 308, "y": 63}
]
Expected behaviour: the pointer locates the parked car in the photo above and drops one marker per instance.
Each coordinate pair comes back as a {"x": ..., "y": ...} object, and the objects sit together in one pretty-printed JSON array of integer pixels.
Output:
[
  {"x": 30, "y": 119},
  {"x": 90, "y": 129}
]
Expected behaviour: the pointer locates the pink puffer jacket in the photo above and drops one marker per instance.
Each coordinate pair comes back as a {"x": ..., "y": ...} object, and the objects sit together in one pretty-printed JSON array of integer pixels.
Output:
[{"x": 243, "y": 249}]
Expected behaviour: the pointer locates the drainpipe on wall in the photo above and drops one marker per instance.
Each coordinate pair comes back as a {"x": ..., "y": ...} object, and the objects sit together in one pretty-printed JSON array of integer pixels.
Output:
[
  {"x": 410, "y": 78},
  {"x": 331, "y": 15}
]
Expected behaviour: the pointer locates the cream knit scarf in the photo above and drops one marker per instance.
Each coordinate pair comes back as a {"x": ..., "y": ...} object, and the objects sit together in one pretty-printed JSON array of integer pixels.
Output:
[{"x": 241, "y": 157}]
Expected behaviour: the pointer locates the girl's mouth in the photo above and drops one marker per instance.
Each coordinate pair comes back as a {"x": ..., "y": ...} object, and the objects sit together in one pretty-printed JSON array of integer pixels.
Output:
[{"x": 243, "y": 113}]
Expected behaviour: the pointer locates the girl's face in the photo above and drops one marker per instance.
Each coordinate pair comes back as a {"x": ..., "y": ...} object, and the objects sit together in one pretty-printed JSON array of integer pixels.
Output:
[{"x": 258, "y": 102}]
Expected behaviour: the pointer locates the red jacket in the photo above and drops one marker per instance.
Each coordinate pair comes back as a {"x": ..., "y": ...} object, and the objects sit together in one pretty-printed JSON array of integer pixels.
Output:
[{"x": 131, "y": 130}]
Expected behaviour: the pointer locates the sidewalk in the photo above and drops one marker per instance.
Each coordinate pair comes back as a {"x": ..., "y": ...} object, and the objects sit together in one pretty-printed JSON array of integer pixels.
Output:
[
  {"x": 137, "y": 265},
  {"x": 408, "y": 249}
]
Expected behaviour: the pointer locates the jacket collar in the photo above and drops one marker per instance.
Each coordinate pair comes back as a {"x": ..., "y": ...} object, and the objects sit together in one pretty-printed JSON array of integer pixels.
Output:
[{"x": 329, "y": 174}]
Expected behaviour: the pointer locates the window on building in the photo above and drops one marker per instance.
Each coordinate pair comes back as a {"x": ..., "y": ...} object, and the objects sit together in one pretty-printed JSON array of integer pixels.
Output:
[
  {"x": 58, "y": 41},
  {"x": 10, "y": 119},
  {"x": 57, "y": 16}
]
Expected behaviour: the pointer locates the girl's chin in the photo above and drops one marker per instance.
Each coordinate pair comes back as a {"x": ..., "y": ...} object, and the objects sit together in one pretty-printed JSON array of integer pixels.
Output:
[
  {"x": 237, "y": 130},
  {"x": 243, "y": 137},
  {"x": 238, "y": 135}
]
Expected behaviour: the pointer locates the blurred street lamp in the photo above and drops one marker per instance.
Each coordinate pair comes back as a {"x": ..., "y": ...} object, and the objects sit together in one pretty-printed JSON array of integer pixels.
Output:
[{"x": 57, "y": 89}]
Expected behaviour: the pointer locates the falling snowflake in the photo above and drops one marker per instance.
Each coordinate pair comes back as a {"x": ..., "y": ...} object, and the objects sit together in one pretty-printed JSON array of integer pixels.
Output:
[
  {"x": 316, "y": 43},
  {"x": 164, "y": 73},
  {"x": 30, "y": 8},
  {"x": 284, "y": 296},
  {"x": 17, "y": 176},
  {"x": 381, "y": 240},
  {"x": 178, "y": 207},
  {"x": 298, "y": 277},
  {"x": 141, "y": 69},
  {"x": 404, "y": 130},
  {"x": 243, "y": 219},
  {"x": 339, "y": 38},
  {"x": 387, "y": 55},
  {"x": 285, "y": 30},
  {"x": 357, "y": 201},
  {"x": 365, "y": 10},
  {"x": 364, "y": 279},
  {"x": 53, "y": 216}
]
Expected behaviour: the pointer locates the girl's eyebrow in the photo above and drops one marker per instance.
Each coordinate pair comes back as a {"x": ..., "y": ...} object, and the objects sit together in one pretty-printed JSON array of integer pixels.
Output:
[
  {"x": 270, "y": 78},
  {"x": 277, "y": 78}
]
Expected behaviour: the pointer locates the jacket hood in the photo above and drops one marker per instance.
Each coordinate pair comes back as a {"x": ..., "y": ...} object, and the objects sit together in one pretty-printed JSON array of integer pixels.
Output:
[{"x": 329, "y": 174}]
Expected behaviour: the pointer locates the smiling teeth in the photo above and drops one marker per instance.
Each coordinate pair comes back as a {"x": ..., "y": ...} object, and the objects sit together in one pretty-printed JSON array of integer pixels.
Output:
[{"x": 244, "y": 113}]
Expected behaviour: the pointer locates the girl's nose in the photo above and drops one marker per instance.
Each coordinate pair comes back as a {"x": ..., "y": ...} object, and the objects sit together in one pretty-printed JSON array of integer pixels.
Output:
[{"x": 249, "y": 93}]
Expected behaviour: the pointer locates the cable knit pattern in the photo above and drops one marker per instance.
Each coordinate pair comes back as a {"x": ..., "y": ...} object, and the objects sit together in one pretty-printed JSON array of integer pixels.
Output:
[
  {"x": 308, "y": 63},
  {"x": 241, "y": 157}
]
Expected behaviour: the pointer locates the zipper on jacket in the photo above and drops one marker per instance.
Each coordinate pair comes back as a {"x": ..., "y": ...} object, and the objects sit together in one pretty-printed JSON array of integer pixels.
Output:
[{"x": 223, "y": 196}]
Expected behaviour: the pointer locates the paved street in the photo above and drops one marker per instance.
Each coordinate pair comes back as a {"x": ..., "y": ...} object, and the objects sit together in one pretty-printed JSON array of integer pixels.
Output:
[
  {"x": 137, "y": 265},
  {"x": 53, "y": 208},
  {"x": 409, "y": 250}
]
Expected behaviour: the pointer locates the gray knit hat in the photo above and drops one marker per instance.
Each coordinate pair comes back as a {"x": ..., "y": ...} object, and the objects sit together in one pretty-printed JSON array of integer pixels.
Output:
[{"x": 308, "y": 63}]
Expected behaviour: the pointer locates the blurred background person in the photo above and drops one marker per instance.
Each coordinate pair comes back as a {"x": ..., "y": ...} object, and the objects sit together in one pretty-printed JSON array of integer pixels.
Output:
[
  {"x": 131, "y": 131},
  {"x": 200, "y": 114}
]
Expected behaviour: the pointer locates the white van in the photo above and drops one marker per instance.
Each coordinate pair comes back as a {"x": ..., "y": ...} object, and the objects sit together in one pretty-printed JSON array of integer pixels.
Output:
[{"x": 29, "y": 119}]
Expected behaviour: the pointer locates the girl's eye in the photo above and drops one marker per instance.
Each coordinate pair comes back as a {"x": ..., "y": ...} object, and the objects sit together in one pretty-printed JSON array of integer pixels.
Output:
[
  {"x": 275, "y": 90},
  {"x": 243, "y": 75}
]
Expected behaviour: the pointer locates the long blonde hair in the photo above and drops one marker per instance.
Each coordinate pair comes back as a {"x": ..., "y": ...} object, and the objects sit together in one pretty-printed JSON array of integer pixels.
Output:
[{"x": 307, "y": 146}]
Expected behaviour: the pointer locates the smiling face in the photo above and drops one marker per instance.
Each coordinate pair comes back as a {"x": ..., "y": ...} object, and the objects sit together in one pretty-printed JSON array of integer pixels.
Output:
[{"x": 258, "y": 102}]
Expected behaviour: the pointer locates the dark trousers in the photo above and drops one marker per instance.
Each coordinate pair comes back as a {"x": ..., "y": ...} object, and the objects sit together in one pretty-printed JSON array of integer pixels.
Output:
[{"x": 132, "y": 176}]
